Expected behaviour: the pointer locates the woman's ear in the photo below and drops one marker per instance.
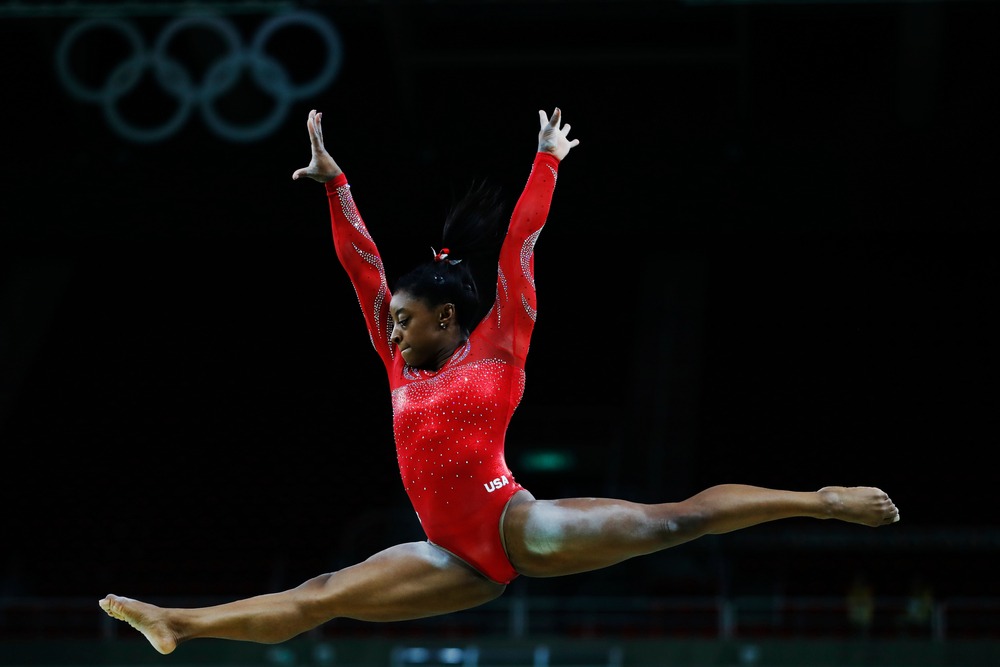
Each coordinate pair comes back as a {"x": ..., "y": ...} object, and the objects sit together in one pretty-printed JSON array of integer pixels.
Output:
[{"x": 446, "y": 315}]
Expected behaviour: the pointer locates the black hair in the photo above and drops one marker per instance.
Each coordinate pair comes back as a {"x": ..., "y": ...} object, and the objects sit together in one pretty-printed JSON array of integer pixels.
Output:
[{"x": 472, "y": 234}]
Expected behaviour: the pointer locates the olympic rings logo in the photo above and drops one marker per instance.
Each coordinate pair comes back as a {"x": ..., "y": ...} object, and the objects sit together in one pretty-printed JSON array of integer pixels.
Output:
[{"x": 220, "y": 77}]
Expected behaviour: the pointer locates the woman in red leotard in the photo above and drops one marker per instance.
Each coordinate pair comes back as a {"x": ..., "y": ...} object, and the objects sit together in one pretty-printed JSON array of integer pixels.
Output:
[{"x": 456, "y": 374}]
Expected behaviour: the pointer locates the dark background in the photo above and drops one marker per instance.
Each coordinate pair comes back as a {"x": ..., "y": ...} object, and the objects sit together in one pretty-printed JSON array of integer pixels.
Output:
[{"x": 769, "y": 261}]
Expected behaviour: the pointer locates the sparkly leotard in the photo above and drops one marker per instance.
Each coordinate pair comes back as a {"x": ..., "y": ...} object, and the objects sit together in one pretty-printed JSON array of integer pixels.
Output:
[{"x": 449, "y": 425}]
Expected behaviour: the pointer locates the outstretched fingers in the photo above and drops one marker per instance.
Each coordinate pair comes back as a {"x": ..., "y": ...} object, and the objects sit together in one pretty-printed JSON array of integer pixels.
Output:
[
  {"x": 322, "y": 166},
  {"x": 317, "y": 127},
  {"x": 314, "y": 124},
  {"x": 552, "y": 137}
]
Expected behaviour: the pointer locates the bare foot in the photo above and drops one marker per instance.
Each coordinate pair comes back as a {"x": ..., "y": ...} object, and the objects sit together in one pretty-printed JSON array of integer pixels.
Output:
[
  {"x": 860, "y": 504},
  {"x": 148, "y": 619}
]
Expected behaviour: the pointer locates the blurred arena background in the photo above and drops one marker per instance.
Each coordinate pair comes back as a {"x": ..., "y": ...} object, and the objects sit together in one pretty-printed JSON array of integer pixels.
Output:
[{"x": 767, "y": 262}]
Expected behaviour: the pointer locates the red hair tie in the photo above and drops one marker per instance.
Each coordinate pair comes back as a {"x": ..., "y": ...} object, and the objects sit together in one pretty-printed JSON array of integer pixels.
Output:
[{"x": 443, "y": 256}]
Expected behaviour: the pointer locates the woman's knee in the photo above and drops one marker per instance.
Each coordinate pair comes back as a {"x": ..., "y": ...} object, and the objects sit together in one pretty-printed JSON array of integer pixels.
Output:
[{"x": 680, "y": 522}]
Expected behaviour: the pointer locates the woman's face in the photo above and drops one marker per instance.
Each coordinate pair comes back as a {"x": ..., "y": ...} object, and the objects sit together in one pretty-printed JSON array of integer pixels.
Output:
[{"x": 418, "y": 332}]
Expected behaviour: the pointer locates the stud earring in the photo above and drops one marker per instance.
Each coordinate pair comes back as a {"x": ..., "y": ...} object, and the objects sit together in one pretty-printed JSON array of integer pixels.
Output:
[{"x": 444, "y": 326}]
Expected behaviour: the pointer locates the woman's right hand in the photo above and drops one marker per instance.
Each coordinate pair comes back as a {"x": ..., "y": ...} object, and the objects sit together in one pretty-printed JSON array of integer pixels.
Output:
[
  {"x": 322, "y": 166},
  {"x": 551, "y": 137}
]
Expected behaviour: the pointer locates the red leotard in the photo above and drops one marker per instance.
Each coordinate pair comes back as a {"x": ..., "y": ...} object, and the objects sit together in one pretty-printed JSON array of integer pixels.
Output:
[{"x": 450, "y": 424}]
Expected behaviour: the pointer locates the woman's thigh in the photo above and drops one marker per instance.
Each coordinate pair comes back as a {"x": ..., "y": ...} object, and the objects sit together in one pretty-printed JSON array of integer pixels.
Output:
[
  {"x": 407, "y": 581},
  {"x": 547, "y": 538}
]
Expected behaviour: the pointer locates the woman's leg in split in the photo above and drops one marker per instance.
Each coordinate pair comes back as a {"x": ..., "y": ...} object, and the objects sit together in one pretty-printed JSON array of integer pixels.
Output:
[
  {"x": 546, "y": 538},
  {"x": 404, "y": 582}
]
